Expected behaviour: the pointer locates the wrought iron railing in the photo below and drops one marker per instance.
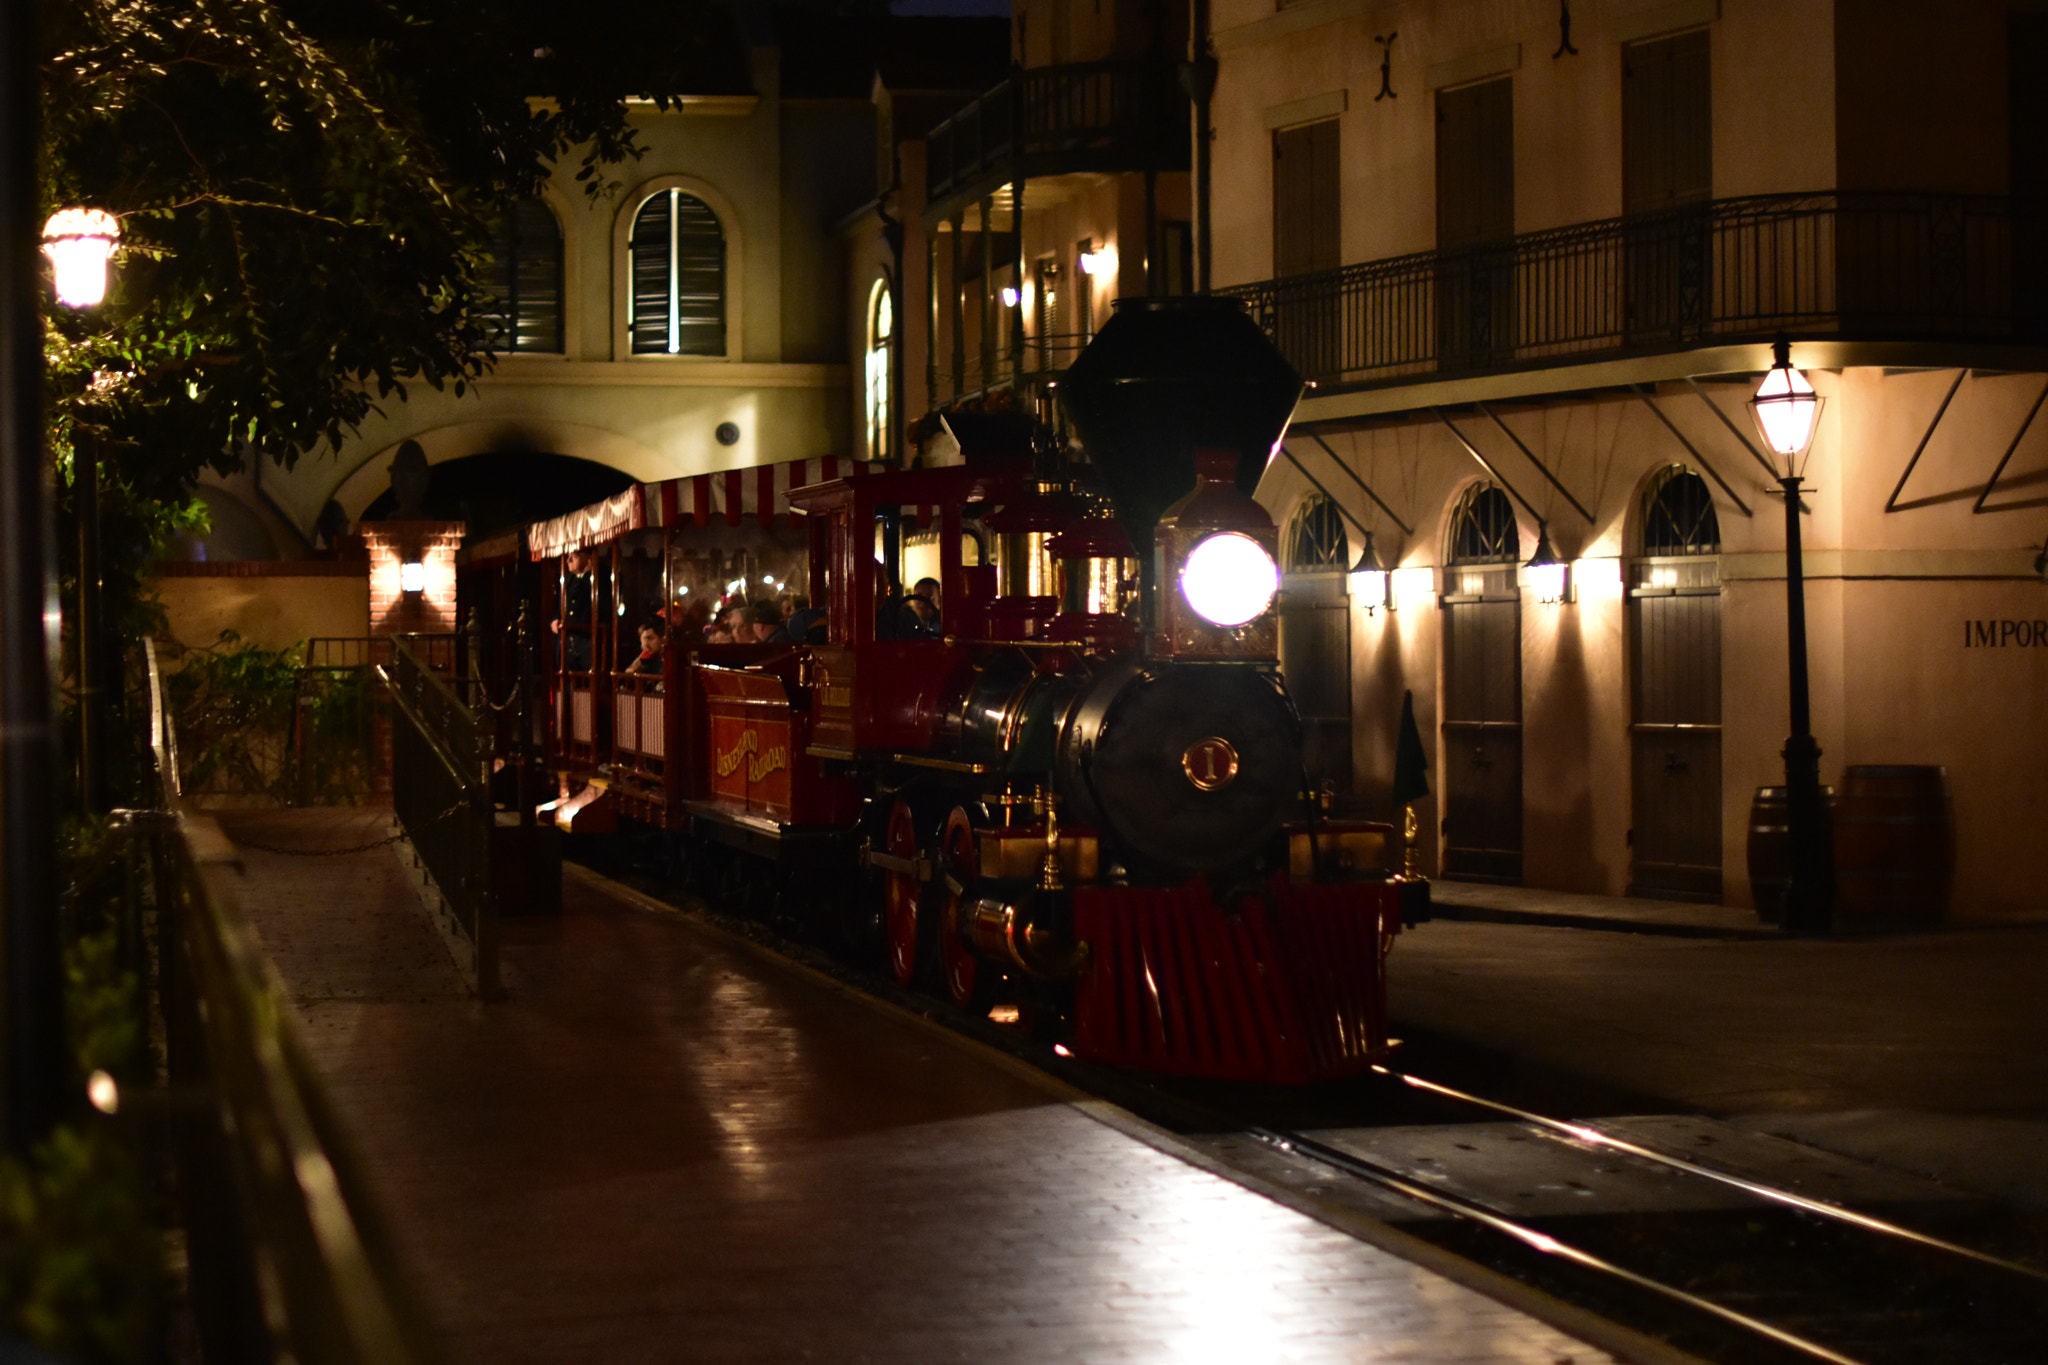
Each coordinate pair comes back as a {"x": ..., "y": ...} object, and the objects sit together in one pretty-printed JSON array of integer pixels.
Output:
[
  {"x": 1100, "y": 116},
  {"x": 287, "y": 1260},
  {"x": 441, "y": 791},
  {"x": 1861, "y": 265}
]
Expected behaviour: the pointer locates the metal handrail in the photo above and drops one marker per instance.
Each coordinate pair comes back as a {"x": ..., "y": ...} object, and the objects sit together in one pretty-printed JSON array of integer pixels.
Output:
[
  {"x": 441, "y": 791},
  {"x": 285, "y": 1248},
  {"x": 1851, "y": 264}
]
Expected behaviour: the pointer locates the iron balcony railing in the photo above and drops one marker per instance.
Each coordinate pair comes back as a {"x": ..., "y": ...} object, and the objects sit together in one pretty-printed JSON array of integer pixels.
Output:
[
  {"x": 1099, "y": 116},
  {"x": 1857, "y": 265}
]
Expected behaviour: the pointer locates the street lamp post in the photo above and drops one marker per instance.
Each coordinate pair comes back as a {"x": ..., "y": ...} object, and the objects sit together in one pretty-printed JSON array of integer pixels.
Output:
[
  {"x": 79, "y": 242},
  {"x": 1786, "y": 410}
]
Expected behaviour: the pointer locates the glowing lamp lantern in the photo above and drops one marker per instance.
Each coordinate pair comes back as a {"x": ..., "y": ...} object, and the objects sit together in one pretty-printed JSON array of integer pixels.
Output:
[
  {"x": 412, "y": 576},
  {"x": 1371, "y": 582},
  {"x": 79, "y": 242},
  {"x": 1547, "y": 573},
  {"x": 1786, "y": 410}
]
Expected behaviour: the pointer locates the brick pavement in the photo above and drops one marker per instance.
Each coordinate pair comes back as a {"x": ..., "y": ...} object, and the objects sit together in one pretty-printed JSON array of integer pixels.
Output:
[{"x": 663, "y": 1146}]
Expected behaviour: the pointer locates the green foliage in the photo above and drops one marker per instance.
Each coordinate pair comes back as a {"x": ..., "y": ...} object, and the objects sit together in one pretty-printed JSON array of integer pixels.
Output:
[
  {"x": 234, "y": 705},
  {"x": 81, "y": 1252}
]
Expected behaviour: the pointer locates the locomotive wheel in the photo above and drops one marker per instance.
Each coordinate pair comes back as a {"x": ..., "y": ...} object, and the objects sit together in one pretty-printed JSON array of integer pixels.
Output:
[
  {"x": 968, "y": 982},
  {"x": 906, "y": 918}
]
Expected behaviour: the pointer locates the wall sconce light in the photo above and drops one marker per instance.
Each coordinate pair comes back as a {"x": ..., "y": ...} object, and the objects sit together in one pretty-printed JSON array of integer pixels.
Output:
[
  {"x": 1548, "y": 575},
  {"x": 412, "y": 577},
  {"x": 1100, "y": 261},
  {"x": 1372, "y": 585},
  {"x": 79, "y": 242}
]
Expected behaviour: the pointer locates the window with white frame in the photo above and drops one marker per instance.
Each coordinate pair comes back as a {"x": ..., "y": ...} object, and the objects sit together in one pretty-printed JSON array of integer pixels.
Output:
[
  {"x": 881, "y": 337},
  {"x": 677, "y": 302}
]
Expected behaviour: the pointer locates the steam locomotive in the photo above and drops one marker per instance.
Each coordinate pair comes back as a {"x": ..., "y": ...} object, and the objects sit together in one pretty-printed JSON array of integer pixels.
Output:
[{"x": 1084, "y": 796}]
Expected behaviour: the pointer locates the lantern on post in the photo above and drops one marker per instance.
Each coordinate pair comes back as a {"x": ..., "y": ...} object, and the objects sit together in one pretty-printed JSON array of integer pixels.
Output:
[
  {"x": 1786, "y": 411},
  {"x": 79, "y": 243}
]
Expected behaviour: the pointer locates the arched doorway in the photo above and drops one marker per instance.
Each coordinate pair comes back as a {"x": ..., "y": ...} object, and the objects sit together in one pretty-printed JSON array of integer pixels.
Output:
[
  {"x": 1315, "y": 638},
  {"x": 1674, "y": 627},
  {"x": 498, "y": 491},
  {"x": 1482, "y": 690}
]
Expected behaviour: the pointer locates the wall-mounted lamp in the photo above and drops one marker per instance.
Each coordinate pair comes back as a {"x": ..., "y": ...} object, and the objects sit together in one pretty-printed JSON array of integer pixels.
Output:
[
  {"x": 412, "y": 577},
  {"x": 1548, "y": 575},
  {"x": 79, "y": 242},
  {"x": 1010, "y": 296},
  {"x": 1100, "y": 261},
  {"x": 1372, "y": 585}
]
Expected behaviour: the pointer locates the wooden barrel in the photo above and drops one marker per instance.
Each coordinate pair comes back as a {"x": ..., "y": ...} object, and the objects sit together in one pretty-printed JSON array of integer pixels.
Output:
[
  {"x": 1895, "y": 845},
  {"x": 1770, "y": 849}
]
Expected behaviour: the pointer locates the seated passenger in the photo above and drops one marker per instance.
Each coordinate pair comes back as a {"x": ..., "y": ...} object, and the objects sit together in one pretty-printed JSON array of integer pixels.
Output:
[
  {"x": 650, "y": 652},
  {"x": 806, "y": 625},
  {"x": 765, "y": 623}
]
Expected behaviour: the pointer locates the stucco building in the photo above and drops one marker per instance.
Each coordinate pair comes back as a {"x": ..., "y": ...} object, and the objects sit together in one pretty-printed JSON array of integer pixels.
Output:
[{"x": 1533, "y": 254}]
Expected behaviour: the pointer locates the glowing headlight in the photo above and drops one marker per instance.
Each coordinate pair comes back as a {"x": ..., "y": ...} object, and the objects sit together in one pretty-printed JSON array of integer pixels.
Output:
[{"x": 1229, "y": 579}]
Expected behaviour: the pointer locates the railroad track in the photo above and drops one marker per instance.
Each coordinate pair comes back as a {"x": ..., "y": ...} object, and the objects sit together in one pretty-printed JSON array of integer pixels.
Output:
[{"x": 1727, "y": 1265}]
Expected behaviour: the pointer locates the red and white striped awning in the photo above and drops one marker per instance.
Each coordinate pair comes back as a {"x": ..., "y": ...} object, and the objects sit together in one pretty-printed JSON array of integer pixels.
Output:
[{"x": 730, "y": 496}]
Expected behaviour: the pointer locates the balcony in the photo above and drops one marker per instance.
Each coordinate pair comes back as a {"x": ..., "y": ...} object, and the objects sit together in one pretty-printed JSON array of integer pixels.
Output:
[
  {"x": 1859, "y": 267},
  {"x": 1101, "y": 117}
]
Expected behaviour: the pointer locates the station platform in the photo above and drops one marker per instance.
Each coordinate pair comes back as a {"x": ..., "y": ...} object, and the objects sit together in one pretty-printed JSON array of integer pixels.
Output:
[{"x": 665, "y": 1143}]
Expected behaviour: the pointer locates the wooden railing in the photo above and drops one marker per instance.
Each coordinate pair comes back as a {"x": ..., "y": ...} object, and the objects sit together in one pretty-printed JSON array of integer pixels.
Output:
[
  {"x": 1861, "y": 266},
  {"x": 287, "y": 1260}
]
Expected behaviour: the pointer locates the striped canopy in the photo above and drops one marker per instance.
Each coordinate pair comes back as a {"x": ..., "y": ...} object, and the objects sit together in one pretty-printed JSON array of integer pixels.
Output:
[{"x": 731, "y": 496}]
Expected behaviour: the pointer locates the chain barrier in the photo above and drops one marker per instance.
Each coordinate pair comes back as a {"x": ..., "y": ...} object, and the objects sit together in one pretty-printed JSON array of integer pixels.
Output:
[{"x": 397, "y": 834}]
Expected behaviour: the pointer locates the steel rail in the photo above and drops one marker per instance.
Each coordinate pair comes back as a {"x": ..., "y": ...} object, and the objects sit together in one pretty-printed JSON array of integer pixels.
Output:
[
  {"x": 1891, "y": 504},
  {"x": 1473, "y": 1211},
  {"x": 1585, "y": 1133}
]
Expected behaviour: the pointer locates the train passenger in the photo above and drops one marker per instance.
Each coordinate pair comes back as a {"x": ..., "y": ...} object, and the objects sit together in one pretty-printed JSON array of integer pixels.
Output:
[
  {"x": 765, "y": 624},
  {"x": 577, "y": 581},
  {"x": 649, "y": 660},
  {"x": 920, "y": 619}
]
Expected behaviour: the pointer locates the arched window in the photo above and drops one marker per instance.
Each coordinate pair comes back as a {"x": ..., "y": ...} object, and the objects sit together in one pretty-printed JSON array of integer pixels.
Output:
[
  {"x": 525, "y": 282},
  {"x": 1316, "y": 542},
  {"x": 1483, "y": 529},
  {"x": 881, "y": 337},
  {"x": 1678, "y": 515},
  {"x": 677, "y": 303}
]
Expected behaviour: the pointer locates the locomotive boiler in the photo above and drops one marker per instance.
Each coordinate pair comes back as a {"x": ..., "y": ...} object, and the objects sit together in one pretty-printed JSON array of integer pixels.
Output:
[{"x": 1085, "y": 794}]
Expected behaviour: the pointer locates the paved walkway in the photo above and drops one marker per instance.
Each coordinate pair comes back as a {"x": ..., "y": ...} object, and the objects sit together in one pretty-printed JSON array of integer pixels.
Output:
[{"x": 664, "y": 1145}]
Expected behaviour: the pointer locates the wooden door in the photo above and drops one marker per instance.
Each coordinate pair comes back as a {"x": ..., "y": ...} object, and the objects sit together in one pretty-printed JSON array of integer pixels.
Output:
[
  {"x": 1482, "y": 725},
  {"x": 1475, "y": 224},
  {"x": 1674, "y": 621},
  {"x": 1667, "y": 183},
  {"x": 1307, "y": 227}
]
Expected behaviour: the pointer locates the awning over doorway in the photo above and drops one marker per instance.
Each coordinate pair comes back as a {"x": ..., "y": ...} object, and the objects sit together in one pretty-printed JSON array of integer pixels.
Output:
[{"x": 730, "y": 496}]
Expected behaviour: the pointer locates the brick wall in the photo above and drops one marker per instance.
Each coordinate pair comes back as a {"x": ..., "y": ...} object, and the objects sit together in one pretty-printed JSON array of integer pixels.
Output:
[{"x": 392, "y": 543}]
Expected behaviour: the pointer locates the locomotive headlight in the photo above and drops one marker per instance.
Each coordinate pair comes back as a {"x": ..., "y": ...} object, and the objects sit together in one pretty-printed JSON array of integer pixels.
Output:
[{"x": 1229, "y": 578}]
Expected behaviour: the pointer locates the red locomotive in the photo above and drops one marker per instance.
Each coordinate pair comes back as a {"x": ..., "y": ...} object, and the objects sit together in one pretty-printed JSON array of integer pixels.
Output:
[{"x": 1080, "y": 790}]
